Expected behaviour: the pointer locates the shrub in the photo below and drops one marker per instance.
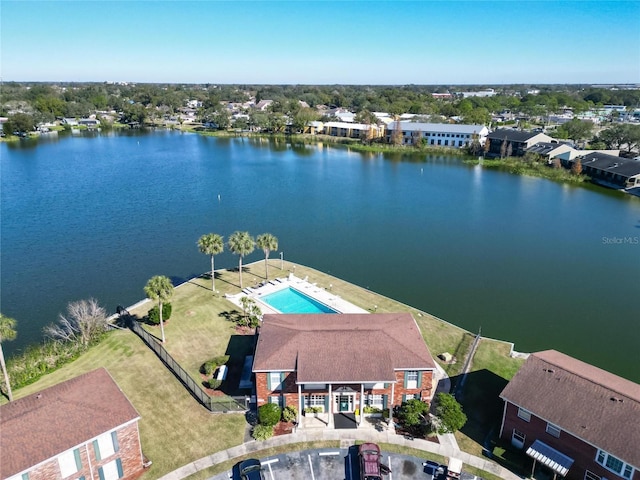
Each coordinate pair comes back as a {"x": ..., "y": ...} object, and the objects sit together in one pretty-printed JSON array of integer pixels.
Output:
[
  {"x": 213, "y": 383},
  {"x": 290, "y": 413},
  {"x": 262, "y": 432},
  {"x": 313, "y": 410},
  {"x": 269, "y": 414},
  {"x": 154, "y": 317},
  {"x": 369, "y": 409},
  {"x": 208, "y": 367}
]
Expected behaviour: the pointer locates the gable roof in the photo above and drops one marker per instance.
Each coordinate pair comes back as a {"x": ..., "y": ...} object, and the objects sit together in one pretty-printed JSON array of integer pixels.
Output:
[
  {"x": 45, "y": 424},
  {"x": 342, "y": 347},
  {"x": 609, "y": 163},
  {"x": 514, "y": 135},
  {"x": 590, "y": 403}
]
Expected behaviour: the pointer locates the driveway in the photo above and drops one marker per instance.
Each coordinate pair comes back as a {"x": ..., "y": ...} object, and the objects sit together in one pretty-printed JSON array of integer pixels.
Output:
[{"x": 332, "y": 464}]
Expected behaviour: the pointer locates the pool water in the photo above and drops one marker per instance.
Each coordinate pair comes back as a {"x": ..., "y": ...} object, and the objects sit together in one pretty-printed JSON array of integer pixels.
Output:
[{"x": 291, "y": 300}]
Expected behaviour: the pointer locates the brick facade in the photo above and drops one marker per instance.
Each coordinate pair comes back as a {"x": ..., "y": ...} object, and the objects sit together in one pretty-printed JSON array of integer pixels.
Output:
[
  {"x": 129, "y": 452},
  {"x": 289, "y": 391},
  {"x": 583, "y": 454}
]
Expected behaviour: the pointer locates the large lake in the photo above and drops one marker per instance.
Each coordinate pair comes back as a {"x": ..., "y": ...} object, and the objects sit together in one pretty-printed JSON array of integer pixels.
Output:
[{"x": 531, "y": 261}]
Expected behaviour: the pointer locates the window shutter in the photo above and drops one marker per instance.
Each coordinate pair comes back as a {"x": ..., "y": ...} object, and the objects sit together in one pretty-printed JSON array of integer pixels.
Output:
[
  {"x": 81, "y": 478},
  {"x": 119, "y": 465},
  {"x": 284, "y": 401},
  {"x": 387, "y": 385},
  {"x": 96, "y": 449},
  {"x": 269, "y": 381},
  {"x": 114, "y": 437},
  {"x": 405, "y": 379},
  {"x": 282, "y": 374},
  {"x": 101, "y": 473},
  {"x": 76, "y": 453},
  {"x": 404, "y": 398},
  {"x": 326, "y": 403},
  {"x": 25, "y": 476},
  {"x": 385, "y": 401},
  {"x": 420, "y": 379}
]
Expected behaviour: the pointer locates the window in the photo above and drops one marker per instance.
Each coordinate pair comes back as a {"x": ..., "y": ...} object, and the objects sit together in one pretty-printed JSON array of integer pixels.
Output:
[
  {"x": 614, "y": 464},
  {"x": 314, "y": 401},
  {"x": 275, "y": 382},
  {"x": 553, "y": 430},
  {"x": 375, "y": 401},
  {"x": 277, "y": 399},
  {"x": 517, "y": 438},
  {"x": 409, "y": 396},
  {"x": 411, "y": 379},
  {"x": 105, "y": 445},
  {"x": 524, "y": 414},
  {"x": 591, "y": 476},
  {"x": 69, "y": 462},
  {"x": 111, "y": 470}
]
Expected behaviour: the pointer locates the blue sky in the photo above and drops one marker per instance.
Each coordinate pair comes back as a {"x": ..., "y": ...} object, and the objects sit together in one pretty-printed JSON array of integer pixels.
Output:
[{"x": 322, "y": 42}]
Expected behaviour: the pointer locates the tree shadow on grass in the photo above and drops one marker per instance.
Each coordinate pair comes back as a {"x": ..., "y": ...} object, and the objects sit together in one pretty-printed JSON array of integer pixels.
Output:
[{"x": 233, "y": 316}]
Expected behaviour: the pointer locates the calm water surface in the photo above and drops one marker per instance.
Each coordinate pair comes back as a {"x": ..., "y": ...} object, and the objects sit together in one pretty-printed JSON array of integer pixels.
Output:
[{"x": 525, "y": 259}]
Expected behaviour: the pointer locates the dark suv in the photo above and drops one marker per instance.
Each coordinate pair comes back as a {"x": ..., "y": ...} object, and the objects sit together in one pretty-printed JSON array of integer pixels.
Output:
[{"x": 251, "y": 470}]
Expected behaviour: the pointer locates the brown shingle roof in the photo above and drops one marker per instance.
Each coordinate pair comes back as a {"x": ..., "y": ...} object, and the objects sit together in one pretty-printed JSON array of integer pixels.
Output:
[
  {"x": 44, "y": 424},
  {"x": 588, "y": 402},
  {"x": 341, "y": 347}
]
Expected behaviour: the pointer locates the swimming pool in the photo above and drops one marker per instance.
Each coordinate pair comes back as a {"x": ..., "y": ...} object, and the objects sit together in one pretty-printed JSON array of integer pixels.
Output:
[{"x": 290, "y": 300}]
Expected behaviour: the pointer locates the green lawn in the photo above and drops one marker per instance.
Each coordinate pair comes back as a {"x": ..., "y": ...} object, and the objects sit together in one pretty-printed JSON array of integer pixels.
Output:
[{"x": 175, "y": 429}]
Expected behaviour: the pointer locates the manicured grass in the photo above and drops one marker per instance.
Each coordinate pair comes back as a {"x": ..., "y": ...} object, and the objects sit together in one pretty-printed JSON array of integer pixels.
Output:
[
  {"x": 174, "y": 428},
  {"x": 491, "y": 369}
]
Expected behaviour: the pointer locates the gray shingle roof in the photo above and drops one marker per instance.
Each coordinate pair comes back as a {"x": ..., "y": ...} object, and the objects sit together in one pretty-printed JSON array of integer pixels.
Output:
[
  {"x": 590, "y": 403},
  {"x": 341, "y": 347},
  {"x": 609, "y": 163},
  {"x": 512, "y": 135},
  {"x": 45, "y": 424}
]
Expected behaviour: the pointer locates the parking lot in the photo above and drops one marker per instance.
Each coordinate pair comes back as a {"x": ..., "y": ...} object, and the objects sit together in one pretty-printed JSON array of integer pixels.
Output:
[{"x": 333, "y": 464}]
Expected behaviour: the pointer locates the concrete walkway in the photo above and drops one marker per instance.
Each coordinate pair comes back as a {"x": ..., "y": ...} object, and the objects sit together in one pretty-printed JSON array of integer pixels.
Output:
[{"x": 345, "y": 437}]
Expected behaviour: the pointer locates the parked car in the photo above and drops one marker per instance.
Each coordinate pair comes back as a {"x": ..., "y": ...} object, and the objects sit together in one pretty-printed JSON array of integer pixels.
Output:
[
  {"x": 371, "y": 467},
  {"x": 251, "y": 469}
]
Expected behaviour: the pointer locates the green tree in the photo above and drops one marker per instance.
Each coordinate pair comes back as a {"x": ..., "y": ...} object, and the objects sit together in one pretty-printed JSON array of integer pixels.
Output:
[
  {"x": 251, "y": 312},
  {"x": 412, "y": 412},
  {"x": 159, "y": 288},
  {"x": 450, "y": 414},
  {"x": 267, "y": 242},
  {"x": 211, "y": 244},
  {"x": 242, "y": 244},
  {"x": 20, "y": 123},
  {"x": 7, "y": 332},
  {"x": 576, "y": 129}
]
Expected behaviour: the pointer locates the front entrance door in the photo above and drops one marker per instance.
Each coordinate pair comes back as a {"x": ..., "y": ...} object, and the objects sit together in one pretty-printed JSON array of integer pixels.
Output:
[{"x": 344, "y": 403}]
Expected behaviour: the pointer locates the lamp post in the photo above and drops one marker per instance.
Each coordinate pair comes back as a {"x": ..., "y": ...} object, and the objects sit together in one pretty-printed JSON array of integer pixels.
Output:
[{"x": 281, "y": 261}]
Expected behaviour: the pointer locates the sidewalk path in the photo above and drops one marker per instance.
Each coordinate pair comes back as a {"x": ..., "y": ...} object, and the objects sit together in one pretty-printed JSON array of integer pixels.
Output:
[{"x": 344, "y": 436}]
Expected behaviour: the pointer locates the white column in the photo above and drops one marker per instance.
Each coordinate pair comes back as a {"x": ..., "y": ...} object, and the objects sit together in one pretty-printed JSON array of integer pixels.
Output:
[
  {"x": 300, "y": 405},
  {"x": 330, "y": 424},
  {"x": 390, "y": 405},
  {"x": 361, "y": 402}
]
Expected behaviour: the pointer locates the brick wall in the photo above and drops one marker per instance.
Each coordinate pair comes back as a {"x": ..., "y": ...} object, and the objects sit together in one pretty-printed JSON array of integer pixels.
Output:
[
  {"x": 290, "y": 389},
  {"x": 583, "y": 454},
  {"x": 129, "y": 453}
]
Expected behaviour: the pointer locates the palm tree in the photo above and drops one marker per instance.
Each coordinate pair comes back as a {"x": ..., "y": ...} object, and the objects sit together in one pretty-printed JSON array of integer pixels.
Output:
[
  {"x": 211, "y": 244},
  {"x": 241, "y": 243},
  {"x": 159, "y": 288},
  {"x": 267, "y": 243},
  {"x": 7, "y": 332}
]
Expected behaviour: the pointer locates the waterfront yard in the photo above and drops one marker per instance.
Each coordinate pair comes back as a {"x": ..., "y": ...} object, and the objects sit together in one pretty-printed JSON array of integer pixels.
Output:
[{"x": 176, "y": 430}]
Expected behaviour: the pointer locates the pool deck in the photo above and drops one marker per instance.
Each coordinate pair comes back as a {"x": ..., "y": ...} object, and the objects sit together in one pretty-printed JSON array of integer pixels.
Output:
[{"x": 302, "y": 285}]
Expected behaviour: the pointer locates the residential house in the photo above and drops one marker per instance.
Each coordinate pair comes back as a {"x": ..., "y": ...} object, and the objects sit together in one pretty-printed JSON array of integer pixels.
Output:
[
  {"x": 341, "y": 363},
  {"x": 84, "y": 428},
  {"x": 263, "y": 104},
  {"x": 438, "y": 134},
  {"x": 72, "y": 122},
  {"x": 609, "y": 170},
  {"x": 515, "y": 142},
  {"x": 89, "y": 122},
  {"x": 574, "y": 419},
  {"x": 551, "y": 150}
]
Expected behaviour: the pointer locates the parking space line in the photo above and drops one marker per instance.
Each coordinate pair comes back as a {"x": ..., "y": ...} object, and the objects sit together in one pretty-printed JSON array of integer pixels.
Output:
[
  {"x": 311, "y": 468},
  {"x": 324, "y": 454},
  {"x": 269, "y": 462},
  {"x": 390, "y": 472},
  {"x": 270, "y": 471}
]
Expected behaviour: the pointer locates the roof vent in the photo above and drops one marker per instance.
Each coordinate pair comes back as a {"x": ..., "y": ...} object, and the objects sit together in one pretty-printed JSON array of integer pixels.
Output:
[
  {"x": 549, "y": 370},
  {"x": 616, "y": 399},
  {"x": 39, "y": 395}
]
